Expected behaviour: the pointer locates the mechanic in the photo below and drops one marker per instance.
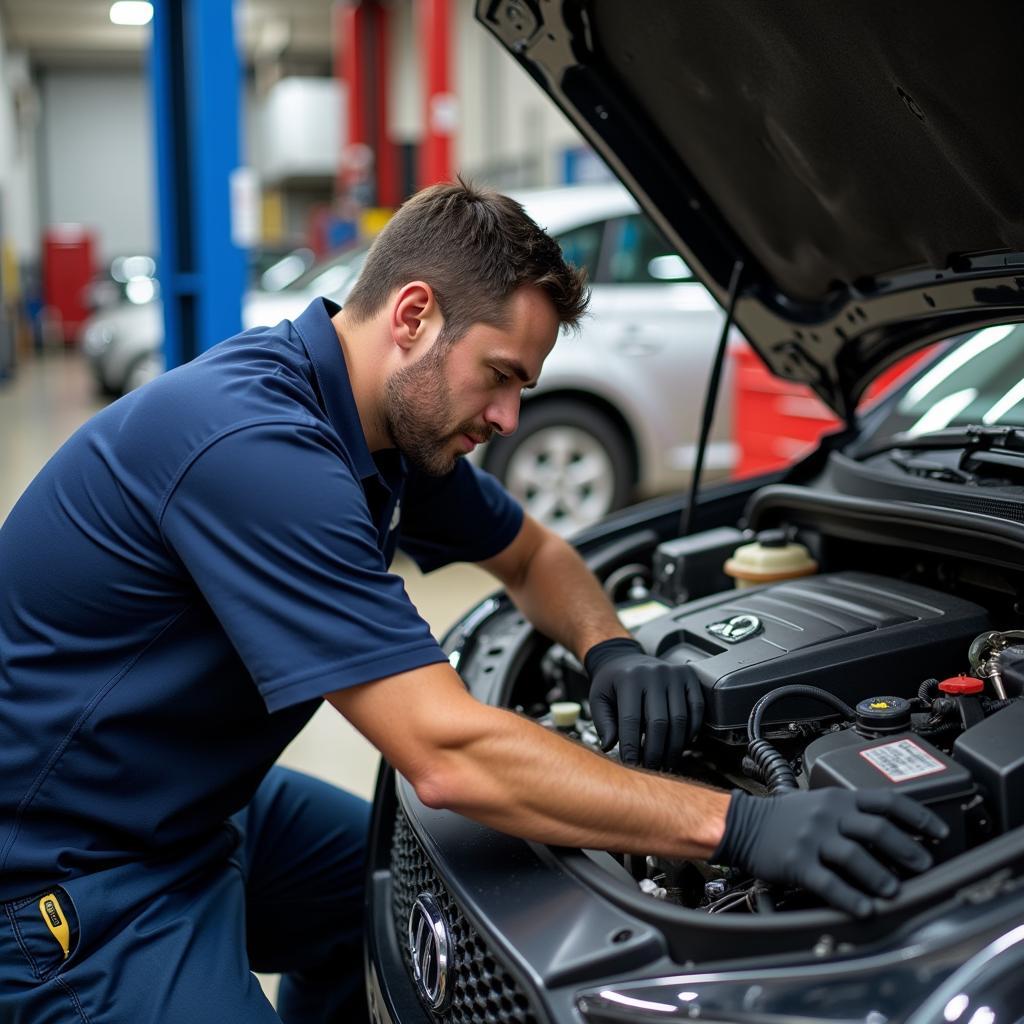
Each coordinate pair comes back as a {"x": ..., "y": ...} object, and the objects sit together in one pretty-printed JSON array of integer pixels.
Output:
[{"x": 207, "y": 559}]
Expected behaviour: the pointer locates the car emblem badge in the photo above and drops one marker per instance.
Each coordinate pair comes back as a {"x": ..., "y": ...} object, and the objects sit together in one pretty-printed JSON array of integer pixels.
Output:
[
  {"x": 738, "y": 628},
  {"x": 430, "y": 946}
]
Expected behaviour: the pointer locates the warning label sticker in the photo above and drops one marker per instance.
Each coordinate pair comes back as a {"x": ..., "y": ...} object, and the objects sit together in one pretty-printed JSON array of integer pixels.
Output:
[
  {"x": 638, "y": 614},
  {"x": 902, "y": 760}
]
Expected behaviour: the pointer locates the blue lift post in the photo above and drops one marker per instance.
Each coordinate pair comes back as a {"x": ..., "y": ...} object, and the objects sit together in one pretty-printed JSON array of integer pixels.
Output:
[{"x": 196, "y": 82}]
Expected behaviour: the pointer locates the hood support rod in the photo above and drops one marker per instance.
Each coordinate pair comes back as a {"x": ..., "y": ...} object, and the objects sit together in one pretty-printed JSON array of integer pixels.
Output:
[{"x": 711, "y": 400}]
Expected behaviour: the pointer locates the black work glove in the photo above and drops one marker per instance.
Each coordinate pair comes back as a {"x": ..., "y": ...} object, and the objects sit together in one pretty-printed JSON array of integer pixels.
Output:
[
  {"x": 631, "y": 692},
  {"x": 832, "y": 842}
]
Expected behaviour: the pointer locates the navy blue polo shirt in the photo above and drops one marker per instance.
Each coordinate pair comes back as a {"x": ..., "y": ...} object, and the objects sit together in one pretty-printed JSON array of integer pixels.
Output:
[{"x": 186, "y": 578}]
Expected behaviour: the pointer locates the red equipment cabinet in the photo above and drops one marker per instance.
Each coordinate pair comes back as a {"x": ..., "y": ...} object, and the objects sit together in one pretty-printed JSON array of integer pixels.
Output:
[{"x": 68, "y": 267}]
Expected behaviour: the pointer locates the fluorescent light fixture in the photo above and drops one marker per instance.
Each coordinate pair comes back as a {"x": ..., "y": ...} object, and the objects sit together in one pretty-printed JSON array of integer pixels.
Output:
[
  {"x": 131, "y": 12},
  {"x": 943, "y": 412},
  {"x": 958, "y": 357},
  {"x": 140, "y": 290}
]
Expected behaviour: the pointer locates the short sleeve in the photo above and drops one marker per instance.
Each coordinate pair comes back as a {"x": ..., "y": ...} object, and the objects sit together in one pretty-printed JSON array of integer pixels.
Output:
[
  {"x": 465, "y": 516},
  {"x": 272, "y": 525}
]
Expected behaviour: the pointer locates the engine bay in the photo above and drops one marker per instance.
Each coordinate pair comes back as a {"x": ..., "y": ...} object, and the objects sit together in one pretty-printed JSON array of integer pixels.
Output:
[{"x": 818, "y": 673}]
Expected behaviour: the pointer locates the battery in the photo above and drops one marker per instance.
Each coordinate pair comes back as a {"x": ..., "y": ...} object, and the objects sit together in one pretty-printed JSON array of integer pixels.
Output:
[
  {"x": 905, "y": 763},
  {"x": 992, "y": 752}
]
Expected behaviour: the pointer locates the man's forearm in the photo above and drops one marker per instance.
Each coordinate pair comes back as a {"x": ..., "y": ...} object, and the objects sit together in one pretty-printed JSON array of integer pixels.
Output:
[
  {"x": 512, "y": 774},
  {"x": 527, "y": 781},
  {"x": 564, "y": 600}
]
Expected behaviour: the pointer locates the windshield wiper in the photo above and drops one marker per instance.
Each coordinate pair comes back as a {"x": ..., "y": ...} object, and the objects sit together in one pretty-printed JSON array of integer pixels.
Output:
[
  {"x": 914, "y": 465},
  {"x": 972, "y": 438},
  {"x": 984, "y": 452}
]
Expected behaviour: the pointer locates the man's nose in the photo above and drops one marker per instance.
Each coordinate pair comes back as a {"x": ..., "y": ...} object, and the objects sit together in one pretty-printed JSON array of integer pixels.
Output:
[{"x": 502, "y": 415}]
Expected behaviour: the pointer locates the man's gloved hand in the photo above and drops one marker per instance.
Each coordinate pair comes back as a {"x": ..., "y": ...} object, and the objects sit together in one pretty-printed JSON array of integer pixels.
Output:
[
  {"x": 833, "y": 842},
  {"x": 632, "y": 693}
]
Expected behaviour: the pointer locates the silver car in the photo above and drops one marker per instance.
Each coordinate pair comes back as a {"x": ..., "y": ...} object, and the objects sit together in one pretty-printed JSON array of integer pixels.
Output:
[{"x": 616, "y": 412}]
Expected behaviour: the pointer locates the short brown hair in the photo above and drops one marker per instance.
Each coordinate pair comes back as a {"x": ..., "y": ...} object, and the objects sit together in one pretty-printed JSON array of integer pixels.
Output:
[{"x": 474, "y": 247}]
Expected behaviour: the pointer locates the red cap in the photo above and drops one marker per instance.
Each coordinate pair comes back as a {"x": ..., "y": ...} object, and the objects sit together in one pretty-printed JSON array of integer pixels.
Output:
[{"x": 962, "y": 684}]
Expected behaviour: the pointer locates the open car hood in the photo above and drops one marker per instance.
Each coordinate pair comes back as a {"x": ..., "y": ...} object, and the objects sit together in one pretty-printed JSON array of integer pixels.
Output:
[{"x": 861, "y": 158}]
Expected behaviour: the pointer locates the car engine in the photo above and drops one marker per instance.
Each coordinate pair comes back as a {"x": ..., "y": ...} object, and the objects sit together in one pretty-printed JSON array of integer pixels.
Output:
[{"x": 847, "y": 678}]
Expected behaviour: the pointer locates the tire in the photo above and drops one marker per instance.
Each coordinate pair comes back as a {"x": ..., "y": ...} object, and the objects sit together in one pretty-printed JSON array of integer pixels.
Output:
[{"x": 567, "y": 464}]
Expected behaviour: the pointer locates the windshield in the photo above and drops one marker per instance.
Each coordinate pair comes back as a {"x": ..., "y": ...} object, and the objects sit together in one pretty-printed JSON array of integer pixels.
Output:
[{"x": 978, "y": 378}]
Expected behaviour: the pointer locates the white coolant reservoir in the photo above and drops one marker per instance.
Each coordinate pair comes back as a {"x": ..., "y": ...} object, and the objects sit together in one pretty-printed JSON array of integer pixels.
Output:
[{"x": 770, "y": 558}]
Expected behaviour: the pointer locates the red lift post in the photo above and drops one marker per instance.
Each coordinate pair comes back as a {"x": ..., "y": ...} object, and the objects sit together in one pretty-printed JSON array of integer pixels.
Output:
[
  {"x": 361, "y": 65},
  {"x": 441, "y": 117}
]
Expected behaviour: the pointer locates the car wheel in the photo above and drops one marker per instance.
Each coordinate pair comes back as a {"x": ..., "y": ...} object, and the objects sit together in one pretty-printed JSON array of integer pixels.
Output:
[
  {"x": 143, "y": 370},
  {"x": 567, "y": 464}
]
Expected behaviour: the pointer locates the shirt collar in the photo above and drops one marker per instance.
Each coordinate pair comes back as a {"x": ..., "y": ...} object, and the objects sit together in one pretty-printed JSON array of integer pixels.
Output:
[{"x": 320, "y": 340}]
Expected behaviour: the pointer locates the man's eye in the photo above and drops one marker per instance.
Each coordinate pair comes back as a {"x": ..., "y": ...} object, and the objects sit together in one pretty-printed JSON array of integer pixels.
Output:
[{"x": 499, "y": 377}]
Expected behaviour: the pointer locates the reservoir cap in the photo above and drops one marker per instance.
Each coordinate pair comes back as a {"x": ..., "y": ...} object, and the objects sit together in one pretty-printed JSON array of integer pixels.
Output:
[{"x": 879, "y": 715}]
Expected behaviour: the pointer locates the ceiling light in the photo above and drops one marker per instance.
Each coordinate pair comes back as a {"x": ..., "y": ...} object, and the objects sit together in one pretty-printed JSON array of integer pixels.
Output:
[{"x": 131, "y": 12}]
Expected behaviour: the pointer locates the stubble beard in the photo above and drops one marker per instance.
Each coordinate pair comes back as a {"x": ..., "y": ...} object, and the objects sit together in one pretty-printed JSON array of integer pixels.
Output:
[{"x": 418, "y": 411}]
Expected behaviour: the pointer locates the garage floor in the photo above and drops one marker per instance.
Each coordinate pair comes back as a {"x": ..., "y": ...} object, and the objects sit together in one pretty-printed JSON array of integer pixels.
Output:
[{"x": 52, "y": 395}]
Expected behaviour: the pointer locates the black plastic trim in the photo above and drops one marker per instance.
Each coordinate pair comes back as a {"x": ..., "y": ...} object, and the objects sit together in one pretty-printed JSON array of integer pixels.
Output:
[
  {"x": 509, "y": 893},
  {"x": 893, "y": 524},
  {"x": 773, "y": 940},
  {"x": 877, "y": 481}
]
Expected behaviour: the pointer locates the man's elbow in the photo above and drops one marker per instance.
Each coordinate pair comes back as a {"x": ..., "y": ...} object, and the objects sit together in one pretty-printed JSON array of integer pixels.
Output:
[
  {"x": 432, "y": 792},
  {"x": 451, "y": 775},
  {"x": 439, "y": 787}
]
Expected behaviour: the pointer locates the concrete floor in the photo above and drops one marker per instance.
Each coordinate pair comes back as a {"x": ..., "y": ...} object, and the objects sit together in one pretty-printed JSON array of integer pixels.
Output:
[{"x": 51, "y": 395}]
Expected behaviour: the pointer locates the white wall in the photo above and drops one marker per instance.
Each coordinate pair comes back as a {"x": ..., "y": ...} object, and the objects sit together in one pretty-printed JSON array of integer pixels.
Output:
[
  {"x": 299, "y": 124},
  {"x": 98, "y": 154},
  {"x": 18, "y": 118},
  {"x": 510, "y": 132},
  {"x": 405, "y": 86}
]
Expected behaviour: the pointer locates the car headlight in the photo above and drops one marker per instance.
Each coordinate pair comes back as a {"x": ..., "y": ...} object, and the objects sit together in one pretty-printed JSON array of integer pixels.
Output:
[{"x": 938, "y": 978}]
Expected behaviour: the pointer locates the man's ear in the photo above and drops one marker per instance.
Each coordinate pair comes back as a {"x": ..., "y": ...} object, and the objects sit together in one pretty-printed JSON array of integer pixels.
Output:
[{"x": 413, "y": 313}]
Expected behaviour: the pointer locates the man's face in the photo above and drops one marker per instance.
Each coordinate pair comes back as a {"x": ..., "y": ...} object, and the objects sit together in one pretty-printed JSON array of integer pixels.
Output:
[{"x": 452, "y": 399}]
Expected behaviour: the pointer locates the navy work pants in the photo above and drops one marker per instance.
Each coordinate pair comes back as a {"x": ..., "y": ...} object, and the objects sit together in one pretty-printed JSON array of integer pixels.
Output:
[{"x": 280, "y": 889}]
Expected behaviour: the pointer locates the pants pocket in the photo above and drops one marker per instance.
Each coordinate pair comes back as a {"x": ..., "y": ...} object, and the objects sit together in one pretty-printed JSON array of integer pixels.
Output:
[{"x": 45, "y": 926}]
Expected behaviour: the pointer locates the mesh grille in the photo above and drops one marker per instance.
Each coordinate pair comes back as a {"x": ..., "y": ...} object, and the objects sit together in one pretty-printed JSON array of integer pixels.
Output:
[
  {"x": 483, "y": 991},
  {"x": 995, "y": 507}
]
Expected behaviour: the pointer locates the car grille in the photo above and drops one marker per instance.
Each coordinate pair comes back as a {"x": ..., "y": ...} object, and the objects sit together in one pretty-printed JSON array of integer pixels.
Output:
[{"x": 483, "y": 991}]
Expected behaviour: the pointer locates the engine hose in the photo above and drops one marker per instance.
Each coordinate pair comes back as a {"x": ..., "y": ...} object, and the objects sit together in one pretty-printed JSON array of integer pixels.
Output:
[
  {"x": 990, "y": 706},
  {"x": 768, "y": 766},
  {"x": 936, "y": 732},
  {"x": 763, "y": 762},
  {"x": 926, "y": 691},
  {"x": 792, "y": 690}
]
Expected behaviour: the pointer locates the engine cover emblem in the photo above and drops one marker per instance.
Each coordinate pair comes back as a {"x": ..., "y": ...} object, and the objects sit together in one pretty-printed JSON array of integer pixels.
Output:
[
  {"x": 430, "y": 946},
  {"x": 738, "y": 628}
]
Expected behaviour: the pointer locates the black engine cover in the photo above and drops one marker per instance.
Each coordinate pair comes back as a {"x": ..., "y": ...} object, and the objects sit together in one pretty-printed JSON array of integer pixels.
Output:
[{"x": 854, "y": 634}]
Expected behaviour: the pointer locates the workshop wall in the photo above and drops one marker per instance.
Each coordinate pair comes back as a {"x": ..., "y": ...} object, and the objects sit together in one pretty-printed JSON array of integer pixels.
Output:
[
  {"x": 19, "y": 107},
  {"x": 405, "y": 93},
  {"x": 510, "y": 133},
  {"x": 98, "y": 154}
]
